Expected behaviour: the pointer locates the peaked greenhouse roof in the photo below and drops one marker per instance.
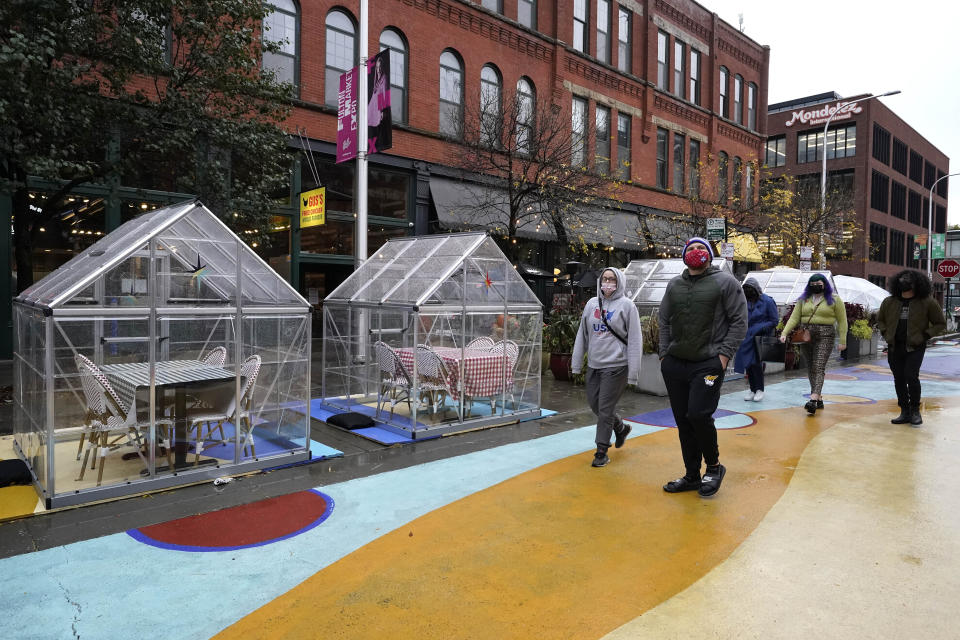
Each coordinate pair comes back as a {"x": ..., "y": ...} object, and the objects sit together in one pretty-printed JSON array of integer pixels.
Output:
[
  {"x": 199, "y": 260},
  {"x": 463, "y": 269}
]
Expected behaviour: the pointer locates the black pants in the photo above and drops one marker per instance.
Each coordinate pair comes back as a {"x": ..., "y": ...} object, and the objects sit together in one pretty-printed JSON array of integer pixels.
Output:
[
  {"x": 755, "y": 376},
  {"x": 905, "y": 366},
  {"x": 694, "y": 391}
]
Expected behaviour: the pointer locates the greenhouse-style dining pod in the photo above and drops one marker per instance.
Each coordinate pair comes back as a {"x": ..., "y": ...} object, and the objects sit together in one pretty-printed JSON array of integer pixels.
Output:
[
  {"x": 785, "y": 284},
  {"x": 432, "y": 335},
  {"x": 166, "y": 353},
  {"x": 646, "y": 280}
]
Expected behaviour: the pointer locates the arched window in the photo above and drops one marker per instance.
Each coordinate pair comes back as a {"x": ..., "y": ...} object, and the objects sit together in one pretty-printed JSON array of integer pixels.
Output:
[
  {"x": 738, "y": 99},
  {"x": 526, "y": 99},
  {"x": 281, "y": 26},
  {"x": 451, "y": 94},
  {"x": 724, "y": 96},
  {"x": 491, "y": 114},
  {"x": 751, "y": 106},
  {"x": 341, "y": 52},
  {"x": 722, "y": 169},
  {"x": 394, "y": 41},
  {"x": 737, "y": 182}
]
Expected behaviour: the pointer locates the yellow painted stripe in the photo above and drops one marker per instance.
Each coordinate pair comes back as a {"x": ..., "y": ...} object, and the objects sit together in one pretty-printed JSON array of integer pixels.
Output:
[{"x": 563, "y": 551}]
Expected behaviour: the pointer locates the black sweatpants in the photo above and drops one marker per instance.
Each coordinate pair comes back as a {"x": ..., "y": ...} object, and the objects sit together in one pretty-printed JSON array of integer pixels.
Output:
[
  {"x": 905, "y": 366},
  {"x": 694, "y": 391}
]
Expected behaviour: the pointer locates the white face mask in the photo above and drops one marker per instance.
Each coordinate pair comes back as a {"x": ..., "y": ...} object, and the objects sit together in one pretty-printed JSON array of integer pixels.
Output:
[{"x": 608, "y": 287}]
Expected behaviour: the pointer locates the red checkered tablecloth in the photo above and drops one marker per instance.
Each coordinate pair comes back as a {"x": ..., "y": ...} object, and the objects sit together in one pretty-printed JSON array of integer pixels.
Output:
[{"x": 483, "y": 371}]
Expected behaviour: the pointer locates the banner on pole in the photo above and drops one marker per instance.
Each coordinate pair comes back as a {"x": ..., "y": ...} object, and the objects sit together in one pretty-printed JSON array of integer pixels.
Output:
[
  {"x": 379, "y": 119},
  {"x": 347, "y": 116},
  {"x": 938, "y": 246}
]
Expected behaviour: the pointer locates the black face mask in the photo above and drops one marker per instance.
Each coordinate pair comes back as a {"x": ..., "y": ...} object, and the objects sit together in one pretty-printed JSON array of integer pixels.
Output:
[
  {"x": 816, "y": 288},
  {"x": 750, "y": 293},
  {"x": 906, "y": 284}
]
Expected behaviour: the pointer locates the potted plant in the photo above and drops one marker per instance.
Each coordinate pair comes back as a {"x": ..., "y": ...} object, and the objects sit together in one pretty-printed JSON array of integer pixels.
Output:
[
  {"x": 559, "y": 337},
  {"x": 651, "y": 381},
  {"x": 859, "y": 330}
]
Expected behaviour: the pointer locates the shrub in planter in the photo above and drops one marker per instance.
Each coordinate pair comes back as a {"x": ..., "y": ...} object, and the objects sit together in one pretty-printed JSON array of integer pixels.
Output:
[{"x": 559, "y": 336}]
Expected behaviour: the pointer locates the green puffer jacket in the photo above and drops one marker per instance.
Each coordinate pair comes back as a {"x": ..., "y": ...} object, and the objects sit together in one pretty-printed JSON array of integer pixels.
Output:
[{"x": 924, "y": 320}]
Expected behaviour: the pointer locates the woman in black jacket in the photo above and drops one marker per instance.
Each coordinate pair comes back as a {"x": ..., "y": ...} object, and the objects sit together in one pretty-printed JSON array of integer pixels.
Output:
[{"x": 906, "y": 320}]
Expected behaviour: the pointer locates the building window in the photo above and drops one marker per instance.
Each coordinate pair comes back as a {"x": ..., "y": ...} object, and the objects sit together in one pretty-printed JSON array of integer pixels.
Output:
[
  {"x": 914, "y": 204},
  {"x": 601, "y": 154},
  {"x": 842, "y": 142},
  {"x": 341, "y": 53},
  {"x": 748, "y": 183},
  {"x": 663, "y": 61},
  {"x": 879, "y": 191},
  {"x": 623, "y": 146},
  {"x": 490, "y": 106},
  {"x": 880, "y": 281},
  {"x": 493, "y": 5},
  {"x": 942, "y": 185},
  {"x": 940, "y": 219},
  {"x": 899, "y": 156},
  {"x": 724, "y": 97},
  {"x": 662, "y": 135},
  {"x": 881, "y": 144},
  {"x": 694, "y": 161},
  {"x": 526, "y": 99},
  {"x": 694, "y": 76},
  {"x": 929, "y": 175},
  {"x": 722, "y": 177},
  {"x": 737, "y": 192},
  {"x": 451, "y": 94},
  {"x": 579, "y": 128},
  {"x": 776, "y": 155},
  {"x": 916, "y": 167},
  {"x": 679, "y": 168},
  {"x": 527, "y": 13},
  {"x": 580, "y": 25},
  {"x": 625, "y": 41},
  {"x": 926, "y": 212},
  {"x": 738, "y": 99},
  {"x": 603, "y": 31},
  {"x": 280, "y": 26},
  {"x": 898, "y": 200},
  {"x": 393, "y": 41},
  {"x": 878, "y": 242},
  {"x": 751, "y": 106},
  {"x": 897, "y": 247},
  {"x": 679, "y": 59}
]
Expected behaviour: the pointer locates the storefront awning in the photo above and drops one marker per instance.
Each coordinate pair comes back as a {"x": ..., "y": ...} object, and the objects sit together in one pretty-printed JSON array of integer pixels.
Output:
[{"x": 745, "y": 248}]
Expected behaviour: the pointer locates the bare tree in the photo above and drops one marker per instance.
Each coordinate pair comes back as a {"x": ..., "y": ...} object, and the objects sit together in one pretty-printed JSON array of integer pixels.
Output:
[{"x": 536, "y": 160}]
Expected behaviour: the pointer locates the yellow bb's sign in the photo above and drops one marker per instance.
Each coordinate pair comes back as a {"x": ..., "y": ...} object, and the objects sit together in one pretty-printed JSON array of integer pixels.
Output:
[{"x": 313, "y": 207}]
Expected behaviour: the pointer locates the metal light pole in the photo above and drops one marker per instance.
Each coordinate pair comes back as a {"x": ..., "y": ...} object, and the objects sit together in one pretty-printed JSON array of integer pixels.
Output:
[
  {"x": 930, "y": 224},
  {"x": 822, "y": 254}
]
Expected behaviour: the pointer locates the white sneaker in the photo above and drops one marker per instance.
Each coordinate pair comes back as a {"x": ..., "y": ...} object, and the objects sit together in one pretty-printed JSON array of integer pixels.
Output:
[
  {"x": 748, "y": 396},
  {"x": 758, "y": 396}
]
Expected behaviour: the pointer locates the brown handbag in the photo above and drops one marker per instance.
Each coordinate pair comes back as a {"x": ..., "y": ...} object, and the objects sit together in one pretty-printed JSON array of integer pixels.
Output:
[{"x": 801, "y": 335}]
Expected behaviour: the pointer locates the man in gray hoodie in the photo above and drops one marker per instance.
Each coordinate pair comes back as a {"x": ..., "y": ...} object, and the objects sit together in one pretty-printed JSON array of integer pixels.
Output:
[
  {"x": 703, "y": 320},
  {"x": 610, "y": 336}
]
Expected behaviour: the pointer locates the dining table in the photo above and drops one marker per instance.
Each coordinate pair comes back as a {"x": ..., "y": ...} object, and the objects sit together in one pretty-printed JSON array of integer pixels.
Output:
[
  {"x": 131, "y": 379},
  {"x": 483, "y": 373}
]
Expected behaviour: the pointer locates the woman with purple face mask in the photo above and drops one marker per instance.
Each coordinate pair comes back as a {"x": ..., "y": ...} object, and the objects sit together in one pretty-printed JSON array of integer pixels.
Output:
[{"x": 610, "y": 336}]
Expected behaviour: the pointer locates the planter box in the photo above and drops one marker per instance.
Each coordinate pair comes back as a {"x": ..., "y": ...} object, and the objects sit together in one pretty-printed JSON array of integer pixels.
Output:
[{"x": 650, "y": 379}]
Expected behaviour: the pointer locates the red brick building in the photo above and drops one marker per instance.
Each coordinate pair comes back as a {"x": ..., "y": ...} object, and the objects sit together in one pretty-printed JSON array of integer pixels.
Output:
[
  {"x": 666, "y": 84},
  {"x": 889, "y": 165}
]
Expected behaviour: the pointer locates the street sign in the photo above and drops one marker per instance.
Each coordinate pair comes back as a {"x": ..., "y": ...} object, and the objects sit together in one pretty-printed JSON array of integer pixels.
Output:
[
  {"x": 806, "y": 253},
  {"x": 716, "y": 228},
  {"x": 313, "y": 207},
  {"x": 938, "y": 242},
  {"x": 948, "y": 268},
  {"x": 804, "y": 265},
  {"x": 726, "y": 250}
]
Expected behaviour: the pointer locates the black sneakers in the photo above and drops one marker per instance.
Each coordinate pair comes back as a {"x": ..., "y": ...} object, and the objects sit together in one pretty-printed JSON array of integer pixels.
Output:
[
  {"x": 915, "y": 419},
  {"x": 811, "y": 406},
  {"x": 682, "y": 483},
  {"x": 621, "y": 435},
  {"x": 710, "y": 483},
  {"x": 600, "y": 459}
]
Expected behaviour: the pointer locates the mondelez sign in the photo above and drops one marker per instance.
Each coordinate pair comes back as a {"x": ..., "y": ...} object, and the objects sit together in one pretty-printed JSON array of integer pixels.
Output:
[{"x": 843, "y": 111}]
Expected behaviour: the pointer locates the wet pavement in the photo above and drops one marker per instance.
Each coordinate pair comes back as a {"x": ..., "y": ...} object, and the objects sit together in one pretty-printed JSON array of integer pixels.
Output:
[{"x": 827, "y": 525}]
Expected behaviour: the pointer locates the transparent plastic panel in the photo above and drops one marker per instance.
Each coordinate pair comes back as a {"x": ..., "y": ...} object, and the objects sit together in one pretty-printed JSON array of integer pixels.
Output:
[
  {"x": 263, "y": 286},
  {"x": 370, "y": 269},
  {"x": 198, "y": 262},
  {"x": 91, "y": 448},
  {"x": 646, "y": 280},
  {"x": 419, "y": 270},
  {"x": 30, "y": 405},
  {"x": 96, "y": 259},
  {"x": 272, "y": 421},
  {"x": 785, "y": 285}
]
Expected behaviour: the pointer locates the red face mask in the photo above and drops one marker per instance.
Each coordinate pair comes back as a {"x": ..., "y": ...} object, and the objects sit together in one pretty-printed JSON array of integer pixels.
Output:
[{"x": 696, "y": 258}]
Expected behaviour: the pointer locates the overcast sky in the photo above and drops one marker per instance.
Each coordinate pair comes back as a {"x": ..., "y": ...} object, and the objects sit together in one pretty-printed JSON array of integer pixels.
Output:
[{"x": 866, "y": 46}]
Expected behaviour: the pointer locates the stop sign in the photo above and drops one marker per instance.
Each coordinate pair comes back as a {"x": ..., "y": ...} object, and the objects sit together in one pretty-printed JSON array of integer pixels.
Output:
[{"x": 948, "y": 268}]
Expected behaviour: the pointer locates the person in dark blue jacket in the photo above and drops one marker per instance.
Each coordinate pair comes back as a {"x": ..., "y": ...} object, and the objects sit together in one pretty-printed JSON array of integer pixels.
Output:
[{"x": 761, "y": 320}]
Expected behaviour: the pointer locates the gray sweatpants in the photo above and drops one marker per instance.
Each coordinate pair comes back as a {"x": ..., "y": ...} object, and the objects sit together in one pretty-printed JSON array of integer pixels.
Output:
[{"x": 604, "y": 388}]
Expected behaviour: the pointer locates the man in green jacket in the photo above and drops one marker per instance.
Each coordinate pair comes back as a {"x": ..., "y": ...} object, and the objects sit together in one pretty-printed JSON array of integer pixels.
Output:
[
  {"x": 703, "y": 320},
  {"x": 906, "y": 320}
]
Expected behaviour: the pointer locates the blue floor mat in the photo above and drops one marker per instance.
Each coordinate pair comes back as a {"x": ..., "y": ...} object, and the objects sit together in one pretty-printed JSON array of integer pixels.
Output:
[{"x": 268, "y": 443}]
